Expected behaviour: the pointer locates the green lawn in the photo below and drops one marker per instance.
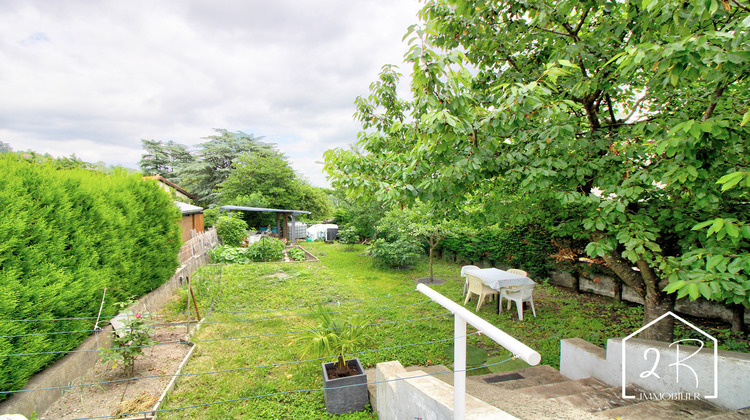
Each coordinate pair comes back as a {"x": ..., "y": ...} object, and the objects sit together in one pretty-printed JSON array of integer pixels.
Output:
[{"x": 250, "y": 301}]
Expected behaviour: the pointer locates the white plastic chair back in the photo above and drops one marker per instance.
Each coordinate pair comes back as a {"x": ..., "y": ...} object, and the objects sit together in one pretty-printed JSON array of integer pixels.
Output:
[
  {"x": 519, "y": 272},
  {"x": 526, "y": 291}
]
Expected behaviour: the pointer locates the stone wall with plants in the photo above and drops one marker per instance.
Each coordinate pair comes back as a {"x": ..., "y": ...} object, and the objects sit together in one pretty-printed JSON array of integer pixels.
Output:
[{"x": 66, "y": 235}]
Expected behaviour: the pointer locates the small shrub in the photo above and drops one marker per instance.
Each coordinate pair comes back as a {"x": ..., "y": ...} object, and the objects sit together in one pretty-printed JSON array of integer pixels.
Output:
[
  {"x": 267, "y": 249},
  {"x": 348, "y": 235},
  {"x": 127, "y": 348},
  {"x": 296, "y": 254},
  {"x": 229, "y": 255},
  {"x": 231, "y": 230},
  {"x": 335, "y": 337},
  {"x": 402, "y": 252}
]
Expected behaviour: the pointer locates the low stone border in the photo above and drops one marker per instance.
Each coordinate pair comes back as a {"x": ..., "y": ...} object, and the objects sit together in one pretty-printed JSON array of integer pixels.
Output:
[{"x": 176, "y": 375}]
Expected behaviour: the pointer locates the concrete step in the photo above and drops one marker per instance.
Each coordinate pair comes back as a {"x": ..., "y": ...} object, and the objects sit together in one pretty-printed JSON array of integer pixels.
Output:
[
  {"x": 560, "y": 389},
  {"x": 522, "y": 378},
  {"x": 599, "y": 400},
  {"x": 664, "y": 410},
  {"x": 508, "y": 400},
  {"x": 741, "y": 414},
  {"x": 524, "y": 406},
  {"x": 438, "y": 371}
]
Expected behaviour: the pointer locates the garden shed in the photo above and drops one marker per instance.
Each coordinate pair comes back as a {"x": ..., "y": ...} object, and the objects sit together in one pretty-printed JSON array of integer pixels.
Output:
[
  {"x": 286, "y": 223},
  {"x": 192, "y": 219}
]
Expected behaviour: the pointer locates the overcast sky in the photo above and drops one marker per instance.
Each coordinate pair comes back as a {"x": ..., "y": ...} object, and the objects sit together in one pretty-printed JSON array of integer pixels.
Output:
[{"x": 95, "y": 77}]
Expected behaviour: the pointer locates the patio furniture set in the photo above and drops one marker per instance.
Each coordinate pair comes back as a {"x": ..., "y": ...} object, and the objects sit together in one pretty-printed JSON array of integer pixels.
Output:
[{"x": 512, "y": 285}]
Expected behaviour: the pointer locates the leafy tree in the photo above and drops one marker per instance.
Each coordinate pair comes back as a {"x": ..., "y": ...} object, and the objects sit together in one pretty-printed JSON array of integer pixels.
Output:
[
  {"x": 269, "y": 177},
  {"x": 163, "y": 158},
  {"x": 214, "y": 161},
  {"x": 624, "y": 113},
  {"x": 5, "y": 147},
  {"x": 433, "y": 230},
  {"x": 364, "y": 216},
  {"x": 425, "y": 223}
]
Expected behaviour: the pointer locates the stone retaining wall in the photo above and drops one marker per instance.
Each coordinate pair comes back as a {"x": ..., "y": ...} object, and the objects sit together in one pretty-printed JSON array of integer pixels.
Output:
[{"x": 607, "y": 286}]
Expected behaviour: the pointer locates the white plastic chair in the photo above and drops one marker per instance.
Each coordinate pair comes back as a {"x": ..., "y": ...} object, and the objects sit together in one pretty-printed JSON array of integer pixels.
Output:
[
  {"x": 477, "y": 287},
  {"x": 519, "y": 272},
  {"x": 463, "y": 274},
  {"x": 524, "y": 293}
]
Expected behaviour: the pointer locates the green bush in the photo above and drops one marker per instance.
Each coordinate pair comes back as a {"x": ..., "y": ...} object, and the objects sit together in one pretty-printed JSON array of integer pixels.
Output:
[
  {"x": 348, "y": 235},
  {"x": 266, "y": 249},
  {"x": 231, "y": 230},
  {"x": 526, "y": 247},
  {"x": 402, "y": 252},
  {"x": 296, "y": 254},
  {"x": 229, "y": 255},
  {"x": 65, "y": 236}
]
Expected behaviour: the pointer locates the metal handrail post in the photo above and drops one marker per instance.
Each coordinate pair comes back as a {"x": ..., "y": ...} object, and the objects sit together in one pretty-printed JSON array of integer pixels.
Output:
[
  {"x": 462, "y": 317},
  {"x": 459, "y": 368}
]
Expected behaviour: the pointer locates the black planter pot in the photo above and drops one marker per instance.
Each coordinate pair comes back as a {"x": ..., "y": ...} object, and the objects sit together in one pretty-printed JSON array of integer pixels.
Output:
[{"x": 347, "y": 394}]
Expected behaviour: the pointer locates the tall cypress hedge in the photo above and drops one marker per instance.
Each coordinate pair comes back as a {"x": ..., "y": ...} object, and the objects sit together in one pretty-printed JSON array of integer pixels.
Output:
[{"x": 65, "y": 236}]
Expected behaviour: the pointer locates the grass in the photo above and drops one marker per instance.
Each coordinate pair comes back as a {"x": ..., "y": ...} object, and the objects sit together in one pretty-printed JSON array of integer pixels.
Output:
[{"x": 248, "y": 301}]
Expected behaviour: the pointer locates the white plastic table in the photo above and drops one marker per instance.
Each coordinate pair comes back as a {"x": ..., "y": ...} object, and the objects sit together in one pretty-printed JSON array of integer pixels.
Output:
[{"x": 497, "y": 279}]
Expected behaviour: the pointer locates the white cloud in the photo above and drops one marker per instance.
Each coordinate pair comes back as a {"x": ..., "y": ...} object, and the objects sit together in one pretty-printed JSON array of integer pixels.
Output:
[{"x": 95, "y": 78}]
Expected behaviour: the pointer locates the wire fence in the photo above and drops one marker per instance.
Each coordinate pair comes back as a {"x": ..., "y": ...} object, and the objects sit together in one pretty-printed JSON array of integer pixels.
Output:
[
  {"x": 283, "y": 313},
  {"x": 165, "y": 410}
]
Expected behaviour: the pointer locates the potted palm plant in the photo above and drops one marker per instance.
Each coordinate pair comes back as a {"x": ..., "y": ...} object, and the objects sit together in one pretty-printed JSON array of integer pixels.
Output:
[{"x": 344, "y": 381}]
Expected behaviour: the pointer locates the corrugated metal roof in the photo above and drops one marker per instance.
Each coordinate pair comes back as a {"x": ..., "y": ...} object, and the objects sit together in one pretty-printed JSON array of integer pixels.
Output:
[
  {"x": 188, "y": 208},
  {"x": 241, "y": 208}
]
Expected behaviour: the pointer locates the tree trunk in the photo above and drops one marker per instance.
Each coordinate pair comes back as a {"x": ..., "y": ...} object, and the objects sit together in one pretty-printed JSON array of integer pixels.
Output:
[
  {"x": 432, "y": 248},
  {"x": 657, "y": 304},
  {"x": 646, "y": 282},
  {"x": 738, "y": 317},
  {"x": 618, "y": 290}
]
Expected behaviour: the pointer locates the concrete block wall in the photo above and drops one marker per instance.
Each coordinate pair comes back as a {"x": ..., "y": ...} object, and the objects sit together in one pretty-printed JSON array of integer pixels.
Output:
[
  {"x": 415, "y": 395},
  {"x": 605, "y": 286},
  {"x": 693, "y": 374}
]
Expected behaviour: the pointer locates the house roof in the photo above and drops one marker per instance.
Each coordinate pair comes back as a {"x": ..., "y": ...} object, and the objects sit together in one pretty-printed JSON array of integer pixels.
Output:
[
  {"x": 188, "y": 208},
  {"x": 171, "y": 184},
  {"x": 241, "y": 208}
]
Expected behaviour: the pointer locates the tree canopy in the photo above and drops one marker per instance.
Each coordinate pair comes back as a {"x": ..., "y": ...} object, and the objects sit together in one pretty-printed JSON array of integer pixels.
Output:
[
  {"x": 214, "y": 162},
  {"x": 625, "y": 114},
  {"x": 163, "y": 157},
  {"x": 267, "y": 180},
  {"x": 235, "y": 168}
]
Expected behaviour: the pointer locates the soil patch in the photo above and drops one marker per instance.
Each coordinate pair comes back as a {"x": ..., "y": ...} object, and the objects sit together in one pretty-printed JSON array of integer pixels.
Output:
[
  {"x": 426, "y": 280},
  {"x": 152, "y": 374}
]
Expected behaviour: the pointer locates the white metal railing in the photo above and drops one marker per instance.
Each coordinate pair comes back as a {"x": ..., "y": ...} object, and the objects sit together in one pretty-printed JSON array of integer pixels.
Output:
[{"x": 462, "y": 316}]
